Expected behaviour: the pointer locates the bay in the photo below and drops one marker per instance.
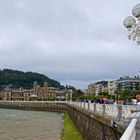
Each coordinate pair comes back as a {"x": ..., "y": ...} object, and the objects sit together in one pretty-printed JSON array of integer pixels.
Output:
[{"x": 30, "y": 125}]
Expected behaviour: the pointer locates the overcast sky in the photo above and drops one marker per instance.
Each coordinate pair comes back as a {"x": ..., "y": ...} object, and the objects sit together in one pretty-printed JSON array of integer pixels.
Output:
[{"x": 73, "y": 41}]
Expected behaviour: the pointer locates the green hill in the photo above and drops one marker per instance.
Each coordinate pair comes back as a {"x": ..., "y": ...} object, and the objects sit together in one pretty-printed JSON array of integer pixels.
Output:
[{"x": 17, "y": 79}]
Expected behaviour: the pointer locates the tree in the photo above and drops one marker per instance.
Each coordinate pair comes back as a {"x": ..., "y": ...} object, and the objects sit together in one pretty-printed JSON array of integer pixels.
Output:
[{"x": 24, "y": 79}]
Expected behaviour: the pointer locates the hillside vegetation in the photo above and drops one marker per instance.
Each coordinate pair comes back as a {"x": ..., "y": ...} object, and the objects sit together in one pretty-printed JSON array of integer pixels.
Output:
[{"x": 17, "y": 79}]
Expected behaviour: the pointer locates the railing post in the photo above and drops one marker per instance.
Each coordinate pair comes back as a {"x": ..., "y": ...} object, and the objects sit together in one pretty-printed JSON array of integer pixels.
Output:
[
  {"x": 88, "y": 105},
  {"x": 119, "y": 111},
  {"x": 84, "y": 104},
  {"x": 94, "y": 107},
  {"x": 103, "y": 109},
  {"x": 80, "y": 104}
]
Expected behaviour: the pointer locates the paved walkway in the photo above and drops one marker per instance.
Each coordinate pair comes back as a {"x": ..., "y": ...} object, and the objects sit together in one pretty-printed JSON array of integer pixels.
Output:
[{"x": 138, "y": 129}]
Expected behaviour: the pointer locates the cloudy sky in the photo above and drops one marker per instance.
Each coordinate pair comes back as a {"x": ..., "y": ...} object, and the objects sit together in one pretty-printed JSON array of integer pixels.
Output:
[{"x": 73, "y": 41}]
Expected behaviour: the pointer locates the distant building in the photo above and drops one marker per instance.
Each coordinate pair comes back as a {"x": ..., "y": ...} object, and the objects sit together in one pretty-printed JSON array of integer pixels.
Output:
[
  {"x": 17, "y": 94},
  {"x": 51, "y": 92},
  {"x": 96, "y": 88},
  {"x": 123, "y": 83},
  {"x": 37, "y": 92},
  {"x": 91, "y": 88},
  {"x": 111, "y": 86},
  {"x": 127, "y": 82}
]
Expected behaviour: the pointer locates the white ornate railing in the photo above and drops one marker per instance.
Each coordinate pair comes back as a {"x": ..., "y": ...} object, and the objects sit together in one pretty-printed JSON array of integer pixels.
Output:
[
  {"x": 126, "y": 113},
  {"x": 130, "y": 132},
  {"x": 122, "y": 111},
  {"x": 109, "y": 109}
]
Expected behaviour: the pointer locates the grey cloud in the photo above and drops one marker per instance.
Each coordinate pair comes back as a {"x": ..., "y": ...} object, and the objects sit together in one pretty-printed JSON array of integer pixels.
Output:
[{"x": 73, "y": 41}]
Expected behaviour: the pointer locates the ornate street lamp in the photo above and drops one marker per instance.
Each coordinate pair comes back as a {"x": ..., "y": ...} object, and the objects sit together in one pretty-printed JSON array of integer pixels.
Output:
[{"x": 132, "y": 23}]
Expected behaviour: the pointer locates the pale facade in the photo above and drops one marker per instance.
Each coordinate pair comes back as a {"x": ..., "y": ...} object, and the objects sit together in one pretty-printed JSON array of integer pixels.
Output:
[
  {"x": 37, "y": 92},
  {"x": 22, "y": 95},
  {"x": 95, "y": 88},
  {"x": 51, "y": 92},
  {"x": 91, "y": 88},
  {"x": 112, "y": 86}
]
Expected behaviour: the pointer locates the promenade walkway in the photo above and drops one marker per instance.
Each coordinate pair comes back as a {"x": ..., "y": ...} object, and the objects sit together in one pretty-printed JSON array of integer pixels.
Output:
[{"x": 117, "y": 113}]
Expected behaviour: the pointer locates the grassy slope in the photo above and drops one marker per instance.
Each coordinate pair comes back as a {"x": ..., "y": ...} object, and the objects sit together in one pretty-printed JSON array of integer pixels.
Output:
[{"x": 70, "y": 132}]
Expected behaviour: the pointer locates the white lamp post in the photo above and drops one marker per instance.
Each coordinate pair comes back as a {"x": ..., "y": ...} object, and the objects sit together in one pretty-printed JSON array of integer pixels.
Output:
[{"x": 132, "y": 23}]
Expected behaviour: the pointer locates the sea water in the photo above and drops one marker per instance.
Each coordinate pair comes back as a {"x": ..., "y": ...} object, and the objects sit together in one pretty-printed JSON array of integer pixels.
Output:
[{"x": 30, "y": 125}]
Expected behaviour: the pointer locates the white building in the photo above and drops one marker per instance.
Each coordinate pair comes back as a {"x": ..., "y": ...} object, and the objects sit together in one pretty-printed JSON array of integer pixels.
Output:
[
  {"x": 111, "y": 86},
  {"x": 96, "y": 88}
]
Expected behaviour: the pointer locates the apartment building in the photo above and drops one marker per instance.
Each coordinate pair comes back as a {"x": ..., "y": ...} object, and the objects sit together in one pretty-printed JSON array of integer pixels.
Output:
[
  {"x": 111, "y": 86},
  {"x": 96, "y": 88},
  {"x": 127, "y": 82},
  {"x": 122, "y": 83}
]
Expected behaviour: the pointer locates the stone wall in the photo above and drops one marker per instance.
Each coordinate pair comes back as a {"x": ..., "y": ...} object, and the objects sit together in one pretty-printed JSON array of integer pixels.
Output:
[{"x": 90, "y": 127}]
